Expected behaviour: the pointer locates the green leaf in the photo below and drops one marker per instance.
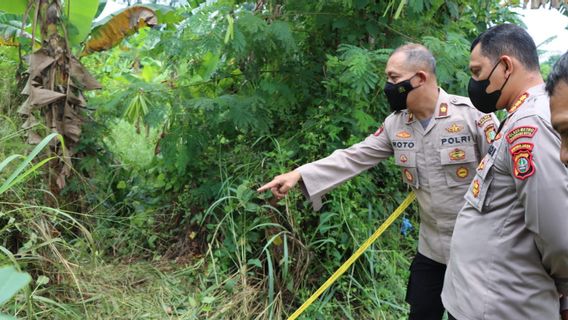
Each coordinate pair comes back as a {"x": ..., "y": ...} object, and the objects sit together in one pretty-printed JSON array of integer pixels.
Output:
[
  {"x": 230, "y": 29},
  {"x": 230, "y": 285},
  {"x": 208, "y": 300},
  {"x": 11, "y": 158},
  {"x": 270, "y": 281},
  {"x": 14, "y": 6},
  {"x": 101, "y": 8},
  {"x": 165, "y": 14},
  {"x": 10, "y": 29},
  {"x": 42, "y": 280},
  {"x": 281, "y": 32},
  {"x": 80, "y": 15},
  {"x": 255, "y": 262},
  {"x": 364, "y": 120},
  {"x": 192, "y": 301},
  {"x": 399, "y": 9},
  {"x": 18, "y": 175},
  {"x": 11, "y": 281},
  {"x": 209, "y": 65},
  {"x": 416, "y": 6}
]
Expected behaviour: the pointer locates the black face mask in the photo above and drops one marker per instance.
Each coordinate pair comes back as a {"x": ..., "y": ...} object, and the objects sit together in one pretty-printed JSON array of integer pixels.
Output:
[
  {"x": 397, "y": 93},
  {"x": 477, "y": 91}
]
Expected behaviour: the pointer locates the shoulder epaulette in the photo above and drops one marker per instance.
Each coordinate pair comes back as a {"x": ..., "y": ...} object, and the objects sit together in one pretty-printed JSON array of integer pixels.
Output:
[{"x": 460, "y": 101}]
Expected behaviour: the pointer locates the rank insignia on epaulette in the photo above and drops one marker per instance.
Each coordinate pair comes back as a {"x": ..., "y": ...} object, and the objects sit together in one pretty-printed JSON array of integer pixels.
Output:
[
  {"x": 519, "y": 102},
  {"x": 443, "y": 110},
  {"x": 481, "y": 165},
  {"x": 475, "y": 188},
  {"x": 410, "y": 117}
]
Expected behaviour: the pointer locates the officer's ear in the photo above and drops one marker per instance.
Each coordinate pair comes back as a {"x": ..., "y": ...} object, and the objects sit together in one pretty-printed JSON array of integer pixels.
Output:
[
  {"x": 422, "y": 77},
  {"x": 509, "y": 65}
]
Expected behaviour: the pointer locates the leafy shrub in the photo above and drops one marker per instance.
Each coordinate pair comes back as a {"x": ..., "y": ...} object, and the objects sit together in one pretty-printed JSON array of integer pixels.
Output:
[{"x": 197, "y": 113}]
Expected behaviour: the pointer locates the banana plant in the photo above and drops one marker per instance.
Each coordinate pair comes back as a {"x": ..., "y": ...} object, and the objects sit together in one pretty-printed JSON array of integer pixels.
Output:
[
  {"x": 57, "y": 78},
  {"x": 80, "y": 21}
]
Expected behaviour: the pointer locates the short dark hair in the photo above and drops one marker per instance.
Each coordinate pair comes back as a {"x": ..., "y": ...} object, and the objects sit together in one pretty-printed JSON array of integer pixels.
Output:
[
  {"x": 559, "y": 73},
  {"x": 511, "y": 40},
  {"x": 418, "y": 56}
]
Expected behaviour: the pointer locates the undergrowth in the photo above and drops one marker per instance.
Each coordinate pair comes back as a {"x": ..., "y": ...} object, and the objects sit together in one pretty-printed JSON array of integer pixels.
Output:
[{"x": 160, "y": 219}]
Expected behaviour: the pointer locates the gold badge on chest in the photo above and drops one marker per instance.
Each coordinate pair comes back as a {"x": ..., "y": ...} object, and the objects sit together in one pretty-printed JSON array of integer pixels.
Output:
[{"x": 454, "y": 128}]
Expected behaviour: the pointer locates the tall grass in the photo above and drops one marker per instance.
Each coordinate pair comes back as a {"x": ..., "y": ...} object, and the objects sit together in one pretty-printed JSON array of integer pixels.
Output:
[
  {"x": 260, "y": 261},
  {"x": 33, "y": 237},
  {"x": 262, "y": 257},
  {"x": 39, "y": 226},
  {"x": 272, "y": 245},
  {"x": 22, "y": 172}
]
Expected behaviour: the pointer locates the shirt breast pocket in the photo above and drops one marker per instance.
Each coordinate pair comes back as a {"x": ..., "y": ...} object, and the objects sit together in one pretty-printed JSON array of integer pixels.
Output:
[
  {"x": 458, "y": 164},
  {"x": 406, "y": 160}
]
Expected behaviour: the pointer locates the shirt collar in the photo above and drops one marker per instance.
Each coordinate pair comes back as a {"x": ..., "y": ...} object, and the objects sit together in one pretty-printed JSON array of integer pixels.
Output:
[
  {"x": 410, "y": 117},
  {"x": 531, "y": 92},
  {"x": 442, "y": 107}
]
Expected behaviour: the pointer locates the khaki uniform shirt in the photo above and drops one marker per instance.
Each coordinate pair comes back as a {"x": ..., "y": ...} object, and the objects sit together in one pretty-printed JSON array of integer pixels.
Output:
[
  {"x": 510, "y": 246},
  {"x": 437, "y": 162}
]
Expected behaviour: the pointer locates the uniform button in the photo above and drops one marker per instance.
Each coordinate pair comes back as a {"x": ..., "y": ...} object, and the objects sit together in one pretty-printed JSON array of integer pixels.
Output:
[{"x": 454, "y": 100}]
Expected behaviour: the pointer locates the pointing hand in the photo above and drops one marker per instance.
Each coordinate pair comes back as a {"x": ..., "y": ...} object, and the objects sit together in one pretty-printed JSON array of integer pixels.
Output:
[{"x": 280, "y": 185}]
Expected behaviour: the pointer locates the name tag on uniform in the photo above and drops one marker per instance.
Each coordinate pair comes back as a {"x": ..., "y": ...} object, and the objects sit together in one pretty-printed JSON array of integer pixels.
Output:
[
  {"x": 456, "y": 139},
  {"x": 403, "y": 144}
]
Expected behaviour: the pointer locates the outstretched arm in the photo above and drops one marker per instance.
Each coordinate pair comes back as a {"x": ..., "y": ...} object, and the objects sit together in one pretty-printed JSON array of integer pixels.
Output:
[{"x": 320, "y": 176}]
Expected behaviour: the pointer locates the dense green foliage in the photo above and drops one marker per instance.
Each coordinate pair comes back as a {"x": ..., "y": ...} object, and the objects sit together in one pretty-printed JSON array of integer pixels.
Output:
[{"x": 194, "y": 115}]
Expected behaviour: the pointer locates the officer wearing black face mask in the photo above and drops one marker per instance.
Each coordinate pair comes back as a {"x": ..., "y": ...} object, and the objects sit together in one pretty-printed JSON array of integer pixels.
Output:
[
  {"x": 509, "y": 250},
  {"x": 397, "y": 93},
  {"x": 481, "y": 99},
  {"x": 437, "y": 139}
]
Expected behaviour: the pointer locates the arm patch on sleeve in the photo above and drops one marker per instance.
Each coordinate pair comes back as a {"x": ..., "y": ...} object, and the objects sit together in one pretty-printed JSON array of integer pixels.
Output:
[
  {"x": 521, "y": 132},
  {"x": 379, "y": 130},
  {"x": 490, "y": 133},
  {"x": 483, "y": 120},
  {"x": 523, "y": 165}
]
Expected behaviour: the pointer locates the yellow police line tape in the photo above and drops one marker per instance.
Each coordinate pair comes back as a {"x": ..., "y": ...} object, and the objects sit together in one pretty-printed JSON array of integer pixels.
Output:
[{"x": 411, "y": 196}]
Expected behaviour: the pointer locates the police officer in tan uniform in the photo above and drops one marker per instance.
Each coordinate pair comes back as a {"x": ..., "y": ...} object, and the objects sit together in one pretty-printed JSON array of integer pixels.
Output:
[
  {"x": 437, "y": 140},
  {"x": 509, "y": 251}
]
